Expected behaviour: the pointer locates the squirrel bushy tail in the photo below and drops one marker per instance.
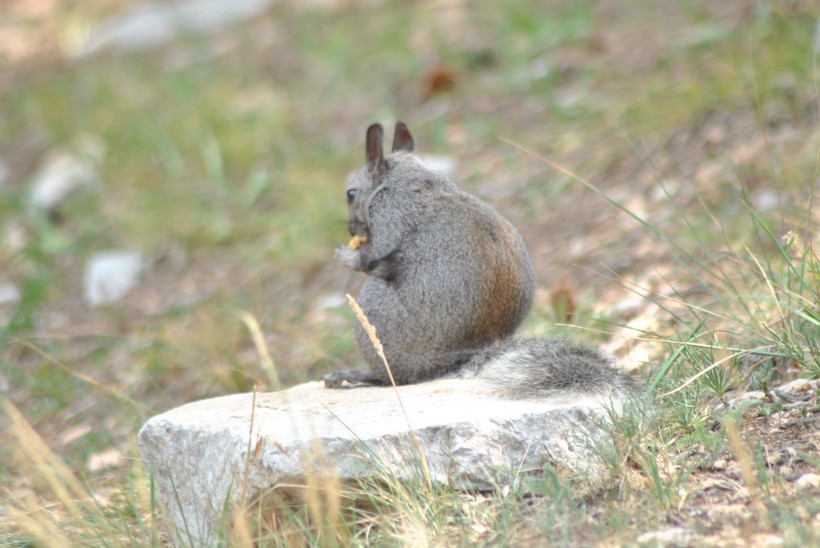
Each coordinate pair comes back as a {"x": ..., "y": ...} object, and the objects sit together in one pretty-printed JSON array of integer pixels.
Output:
[{"x": 540, "y": 368}]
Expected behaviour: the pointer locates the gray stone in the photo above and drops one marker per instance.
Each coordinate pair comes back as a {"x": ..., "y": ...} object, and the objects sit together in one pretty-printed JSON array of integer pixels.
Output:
[
  {"x": 471, "y": 439},
  {"x": 671, "y": 536},
  {"x": 752, "y": 395},
  {"x": 151, "y": 25},
  {"x": 807, "y": 483},
  {"x": 4, "y": 174},
  {"x": 816, "y": 41},
  {"x": 9, "y": 294},
  {"x": 61, "y": 175},
  {"x": 765, "y": 200},
  {"x": 109, "y": 276},
  {"x": 799, "y": 386}
]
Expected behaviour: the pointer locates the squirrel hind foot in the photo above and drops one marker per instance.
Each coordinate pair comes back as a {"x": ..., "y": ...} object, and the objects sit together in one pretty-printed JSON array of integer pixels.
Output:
[{"x": 351, "y": 379}]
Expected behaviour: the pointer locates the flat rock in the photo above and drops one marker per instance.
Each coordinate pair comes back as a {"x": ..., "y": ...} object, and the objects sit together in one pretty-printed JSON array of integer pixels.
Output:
[
  {"x": 799, "y": 386},
  {"x": 205, "y": 455}
]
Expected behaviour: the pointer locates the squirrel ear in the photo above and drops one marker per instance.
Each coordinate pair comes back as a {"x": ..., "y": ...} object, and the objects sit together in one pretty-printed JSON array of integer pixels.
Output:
[
  {"x": 402, "y": 140},
  {"x": 374, "y": 153}
]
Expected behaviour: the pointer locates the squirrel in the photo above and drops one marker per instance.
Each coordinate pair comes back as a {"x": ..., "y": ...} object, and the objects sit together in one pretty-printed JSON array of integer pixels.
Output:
[{"x": 449, "y": 280}]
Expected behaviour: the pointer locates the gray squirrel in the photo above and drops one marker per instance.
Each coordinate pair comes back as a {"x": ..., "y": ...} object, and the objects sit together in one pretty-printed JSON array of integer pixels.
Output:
[{"x": 449, "y": 280}]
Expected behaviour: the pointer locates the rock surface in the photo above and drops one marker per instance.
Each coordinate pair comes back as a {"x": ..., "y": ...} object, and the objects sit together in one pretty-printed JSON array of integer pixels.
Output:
[{"x": 199, "y": 453}]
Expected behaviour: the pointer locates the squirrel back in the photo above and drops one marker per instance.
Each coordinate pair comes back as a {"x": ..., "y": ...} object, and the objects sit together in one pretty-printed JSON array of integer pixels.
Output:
[{"x": 449, "y": 280}]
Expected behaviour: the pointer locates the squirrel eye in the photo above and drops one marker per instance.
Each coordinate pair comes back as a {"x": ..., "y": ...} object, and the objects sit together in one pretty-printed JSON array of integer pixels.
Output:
[{"x": 351, "y": 195}]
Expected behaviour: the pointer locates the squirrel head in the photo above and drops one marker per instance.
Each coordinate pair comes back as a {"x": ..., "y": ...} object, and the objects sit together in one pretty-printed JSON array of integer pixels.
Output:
[{"x": 368, "y": 181}]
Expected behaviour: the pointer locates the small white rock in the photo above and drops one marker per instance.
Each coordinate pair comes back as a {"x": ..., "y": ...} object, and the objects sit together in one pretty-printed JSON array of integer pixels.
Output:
[
  {"x": 674, "y": 536},
  {"x": 61, "y": 175},
  {"x": 13, "y": 236},
  {"x": 110, "y": 458},
  {"x": 111, "y": 275},
  {"x": 9, "y": 294},
  {"x": 755, "y": 395},
  {"x": 4, "y": 173},
  {"x": 816, "y": 41},
  {"x": 798, "y": 386},
  {"x": 807, "y": 482},
  {"x": 765, "y": 200},
  {"x": 331, "y": 300},
  {"x": 769, "y": 540},
  {"x": 720, "y": 464}
]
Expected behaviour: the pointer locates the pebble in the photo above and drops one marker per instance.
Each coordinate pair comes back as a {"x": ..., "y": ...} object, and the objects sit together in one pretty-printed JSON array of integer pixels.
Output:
[
  {"x": 798, "y": 386},
  {"x": 109, "y": 276},
  {"x": 110, "y": 458},
  {"x": 768, "y": 540},
  {"x": 737, "y": 513},
  {"x": 9, "y": 294},
  {"x": 720, "y": 464},
  {"x": 775, "y": 459},
  {"x": 331, "y": 300},
  {"x": 756, "y": 395},
  {"x": 807, "y": 483},
  {"x": 673, "y": 536},
  {"x": 4, "y": 174},
  {"x": 816, "y": 41},
  {"x": 61, "y": 175},
  {"x": 765, "y": 200},
  {"x": 13, "y": 237}
]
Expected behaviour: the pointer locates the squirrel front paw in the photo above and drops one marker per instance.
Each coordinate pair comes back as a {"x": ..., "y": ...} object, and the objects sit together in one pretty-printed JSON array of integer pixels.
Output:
[{"x": 348, "y": 257}]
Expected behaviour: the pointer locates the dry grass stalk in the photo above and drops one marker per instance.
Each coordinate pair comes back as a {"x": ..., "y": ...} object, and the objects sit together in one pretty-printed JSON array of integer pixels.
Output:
[
  {"x": 747, "y": 471},
  {"x": 258, "y": 338},
  {"x": 42, "y": 465},
  {"x": 374, "y": 340}
]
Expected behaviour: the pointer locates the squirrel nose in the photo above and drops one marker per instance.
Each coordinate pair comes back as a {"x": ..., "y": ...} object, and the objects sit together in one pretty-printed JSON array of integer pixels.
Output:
[{"x": 357, "y": 227}]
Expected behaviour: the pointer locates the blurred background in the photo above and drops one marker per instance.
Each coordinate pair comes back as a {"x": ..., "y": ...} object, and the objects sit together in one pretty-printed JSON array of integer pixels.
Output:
[{"x": 172, "y": 175}]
